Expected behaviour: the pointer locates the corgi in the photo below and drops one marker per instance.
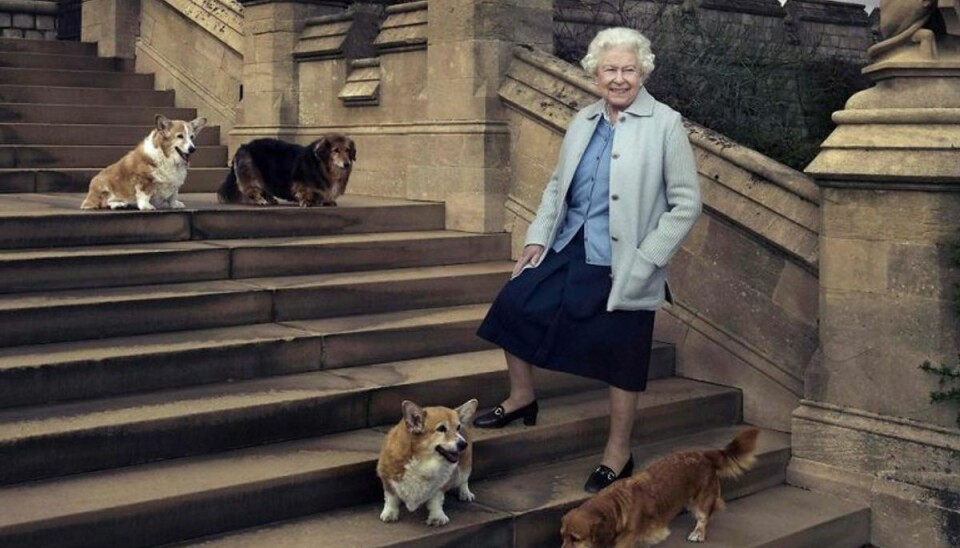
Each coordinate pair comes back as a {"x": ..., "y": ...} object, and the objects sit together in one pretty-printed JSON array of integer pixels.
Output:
[
  {"x": 150, "y": 175},
  {"x": 423, "y": 456},
  {"x": 640, "y": 508}
]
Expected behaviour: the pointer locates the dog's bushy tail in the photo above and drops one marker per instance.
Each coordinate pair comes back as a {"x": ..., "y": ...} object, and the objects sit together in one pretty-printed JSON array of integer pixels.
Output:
[
  {"x": 229, "y": 192},
  {"x": 737, "y": 457}
]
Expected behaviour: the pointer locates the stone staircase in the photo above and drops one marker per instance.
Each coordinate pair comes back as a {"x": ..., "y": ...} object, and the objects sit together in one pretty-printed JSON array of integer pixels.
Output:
[
  {"x": 224, "y": 375},
  {"x": 66, "y": 113}
]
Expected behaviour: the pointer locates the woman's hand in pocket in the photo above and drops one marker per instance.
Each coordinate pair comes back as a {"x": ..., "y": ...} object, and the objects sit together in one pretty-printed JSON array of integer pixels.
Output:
[{"x": 529, "y": 256}]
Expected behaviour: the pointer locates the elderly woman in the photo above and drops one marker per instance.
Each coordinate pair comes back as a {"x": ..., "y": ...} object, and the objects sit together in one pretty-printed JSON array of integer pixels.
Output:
[{"x": 584, "y": 292}]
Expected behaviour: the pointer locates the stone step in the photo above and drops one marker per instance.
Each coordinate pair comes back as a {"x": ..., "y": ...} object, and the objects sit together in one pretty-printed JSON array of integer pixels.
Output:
[
  {"x": 75, "y": 78},
  {"x": 520, "y": 509},
  {"x": 76, "y": 315},
  {"x": 40, "y": 374},
  {"x": 185, "y": 498},
  {"x": 313, "y": 255},
  {"x": 63, "y": 61},
  {"x": 175, "y": 262},
  {"x": 77, "y": 179},
  {"x": 777, "y": 517},
  {"x": 89, "y": 134},
  {"x": 55, "y": 220},
  {"x": 63, "y": 47},
  {"x": 102, "y": 115},
  {"x": 86, "y": 96},
  {"x": 95, "y": 156}
]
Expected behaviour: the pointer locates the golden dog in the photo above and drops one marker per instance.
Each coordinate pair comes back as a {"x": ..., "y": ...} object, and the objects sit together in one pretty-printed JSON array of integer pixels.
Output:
[{"x": 640, "y": 508}]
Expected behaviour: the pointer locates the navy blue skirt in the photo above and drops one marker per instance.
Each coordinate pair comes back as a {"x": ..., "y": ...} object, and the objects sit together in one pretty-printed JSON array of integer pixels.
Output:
[{"x": 555, "y": 317}]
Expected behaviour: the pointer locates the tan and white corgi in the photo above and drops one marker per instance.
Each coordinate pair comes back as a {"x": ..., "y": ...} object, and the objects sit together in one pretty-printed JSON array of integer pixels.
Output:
[
  {"x": 150, "y": 175},
  {"x": 426, "y": 454}
]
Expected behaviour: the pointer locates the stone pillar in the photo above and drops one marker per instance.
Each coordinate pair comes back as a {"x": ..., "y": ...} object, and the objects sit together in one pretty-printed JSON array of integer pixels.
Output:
[
  {"x": 270, "y": 75},
  {"x": 890, "y": 210},
  {"x": 469, "y": 49},
  {"x": 113, "y": 24}
]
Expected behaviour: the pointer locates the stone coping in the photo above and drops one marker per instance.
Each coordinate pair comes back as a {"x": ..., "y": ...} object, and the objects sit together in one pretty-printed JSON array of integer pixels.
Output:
[
  {"x": 828, "y": 11},
  {"x": 407, "y": 6},
  {"x": 29, "y": 6},
  {"x": 768, "y": 8}
]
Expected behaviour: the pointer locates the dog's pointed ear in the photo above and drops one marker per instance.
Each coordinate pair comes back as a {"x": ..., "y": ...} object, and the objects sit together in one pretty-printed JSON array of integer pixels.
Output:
[
  {"x": 197, "y": 124},
  {"x": 352, "y": 151},
  {"x": 467, "y": 410},
  {"x": 321, "y": 148},
  {"x": 162, "y": 123},
  {"x": 413, "y": 415}
]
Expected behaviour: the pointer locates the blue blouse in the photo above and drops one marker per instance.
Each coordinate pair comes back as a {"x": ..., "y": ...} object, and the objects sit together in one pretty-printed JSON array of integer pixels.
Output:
[{"x": 588, "y": 203}]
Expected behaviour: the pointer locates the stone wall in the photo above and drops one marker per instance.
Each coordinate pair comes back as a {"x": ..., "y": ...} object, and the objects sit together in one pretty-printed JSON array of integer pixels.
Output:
[
  {"x": 426, "y": 119},
  {"x": 113, "y": 24},
  {"x": 194, "y": 47},
  {"x": 823, "y": 28},
  {"x": 745, "y": 281},
  {"x": 30, "y": 19}
]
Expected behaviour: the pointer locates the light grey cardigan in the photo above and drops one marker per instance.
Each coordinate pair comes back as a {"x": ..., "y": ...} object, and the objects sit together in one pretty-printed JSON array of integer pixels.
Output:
[{"x": 654, "y": 196}]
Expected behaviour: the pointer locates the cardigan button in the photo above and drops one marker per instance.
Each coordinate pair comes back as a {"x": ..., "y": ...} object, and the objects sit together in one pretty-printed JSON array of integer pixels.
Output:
[
  {"x": 623, "y": 118},
  {"x": 614, "y": 197},
  {"x": 616, "y": 155},
  {"x": 614, "y": 238}
]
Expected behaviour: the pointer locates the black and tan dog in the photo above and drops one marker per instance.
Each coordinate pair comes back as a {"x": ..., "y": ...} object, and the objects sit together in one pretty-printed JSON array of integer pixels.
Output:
[{"x": 266, "y": 169}]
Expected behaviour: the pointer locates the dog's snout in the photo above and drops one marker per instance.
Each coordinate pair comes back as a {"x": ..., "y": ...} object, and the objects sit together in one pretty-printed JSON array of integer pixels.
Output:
[
  {"x": 461, "y": 444},
  {"x": 191, "y": 149}
]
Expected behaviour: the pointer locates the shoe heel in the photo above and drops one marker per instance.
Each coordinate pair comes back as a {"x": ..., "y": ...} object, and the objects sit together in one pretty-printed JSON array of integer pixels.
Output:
[{"x": 530, "y": 420}]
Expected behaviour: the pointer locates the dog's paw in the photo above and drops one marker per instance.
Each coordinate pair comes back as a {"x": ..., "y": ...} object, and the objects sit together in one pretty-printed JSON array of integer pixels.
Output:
[
  {"x": 177, "y": 204},
  {"x": 466, "y": 495},
  {"x": 389, "y": 515},
  {"x": 147, "y": 207},
  {"x": 438, "y": 519},
  {"x": 696, "y": 536}
]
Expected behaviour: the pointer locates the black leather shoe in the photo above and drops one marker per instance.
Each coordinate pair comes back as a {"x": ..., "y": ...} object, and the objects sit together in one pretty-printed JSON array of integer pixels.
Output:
[
  {"x": 604, "y": 476},
  {"x": 498, "y": 418}
]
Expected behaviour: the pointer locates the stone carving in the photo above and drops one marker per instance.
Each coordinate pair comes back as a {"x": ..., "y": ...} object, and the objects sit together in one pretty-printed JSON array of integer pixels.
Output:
[{"x": 926, "y": 23}]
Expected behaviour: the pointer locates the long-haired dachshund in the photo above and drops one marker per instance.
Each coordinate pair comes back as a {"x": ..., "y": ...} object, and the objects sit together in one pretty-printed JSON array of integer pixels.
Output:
[
  {"x": 640, "y": 508},
  {"x": 266, "y": 169}
]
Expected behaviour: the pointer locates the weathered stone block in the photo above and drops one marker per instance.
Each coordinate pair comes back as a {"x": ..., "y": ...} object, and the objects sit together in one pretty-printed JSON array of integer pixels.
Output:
[
  {"x": 923, "y": 270},
  {"x": 902, "y": 514},
  {"x": 45, "y": 22},
  {"x": 5, "y": 20},
  {"x": 798, "y": 292},
  {"x": 726, "y": 249},
  {"x": 729, "y": 301},
  {"x": 23, "y": 21},
  {"x": 11, "y": 33},
  {"x": 765, "y": 402},
  {"x": 853, "y": 265},
  {"x": 872, "y": 346},
  {"x": 902, "y": 216}
]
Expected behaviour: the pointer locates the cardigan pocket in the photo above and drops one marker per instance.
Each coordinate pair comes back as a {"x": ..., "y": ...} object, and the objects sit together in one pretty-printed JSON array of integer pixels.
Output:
[{"x": 642, "y": 276}]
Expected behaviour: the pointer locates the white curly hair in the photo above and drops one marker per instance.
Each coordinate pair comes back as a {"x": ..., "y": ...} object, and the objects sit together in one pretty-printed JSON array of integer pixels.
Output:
[{"x": 619, "y": 38}]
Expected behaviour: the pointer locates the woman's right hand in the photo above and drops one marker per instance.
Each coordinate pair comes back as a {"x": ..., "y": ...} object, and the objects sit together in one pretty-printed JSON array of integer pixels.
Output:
[{"x": 530, "y": 255}]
